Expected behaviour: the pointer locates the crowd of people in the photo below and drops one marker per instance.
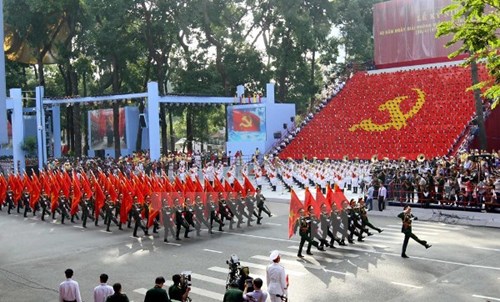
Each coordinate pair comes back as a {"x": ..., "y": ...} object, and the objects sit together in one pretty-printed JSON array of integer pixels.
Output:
[
  {"x": 245, "y": 288},
  {"x": 467, "y": 180}
]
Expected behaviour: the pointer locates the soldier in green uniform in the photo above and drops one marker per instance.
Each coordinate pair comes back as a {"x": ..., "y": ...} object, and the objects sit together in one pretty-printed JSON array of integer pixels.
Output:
[
  {"x": 407, "y": 218},
  {"x": 304, "y": 226}
]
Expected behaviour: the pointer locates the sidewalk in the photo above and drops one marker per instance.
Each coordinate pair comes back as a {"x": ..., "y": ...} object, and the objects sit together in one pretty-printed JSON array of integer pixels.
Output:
[{"x": 437, "y": 215}]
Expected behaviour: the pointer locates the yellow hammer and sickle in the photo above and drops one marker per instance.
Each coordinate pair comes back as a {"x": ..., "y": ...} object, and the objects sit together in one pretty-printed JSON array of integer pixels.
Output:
[
  {"x": 398, "y": 118},
  {"x": 246, "y": 122}
]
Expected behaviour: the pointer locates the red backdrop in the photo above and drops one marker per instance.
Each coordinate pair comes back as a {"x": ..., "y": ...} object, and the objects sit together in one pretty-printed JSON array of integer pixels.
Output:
[{"x": 404, "y": 32}]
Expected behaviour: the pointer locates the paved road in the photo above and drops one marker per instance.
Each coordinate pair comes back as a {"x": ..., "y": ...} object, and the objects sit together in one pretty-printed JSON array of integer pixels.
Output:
[{"x": 462, "y": 265}]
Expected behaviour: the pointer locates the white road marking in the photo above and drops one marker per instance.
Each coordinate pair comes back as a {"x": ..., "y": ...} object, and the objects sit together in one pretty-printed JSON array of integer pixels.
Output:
[
  {"x": 316, "y": 257},
  {"x": 174, "y": 244},
  {"x": 272, "y": 223},
  {"x": 208, "y": 279},
  {"x": 140, "y": 291},
  {"x": 486, "y": 248},
  {"x": 407, "y": 285},
  {"x": 212, "y": 251},
  {"x": 330, "y": 252},
  {"x": 78, "y": 226},
  {"x": 207, "y": 293},
  {"x": 485, "y": 297},
  {"x": 219, "y": 269}
]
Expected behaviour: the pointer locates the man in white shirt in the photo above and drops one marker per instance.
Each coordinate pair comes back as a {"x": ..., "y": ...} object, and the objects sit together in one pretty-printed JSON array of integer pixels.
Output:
[
  {"x": 103, "y": 290},
  {"x": 276, "y": 278},
  {"x": 382, "y": 195},
  {"x": 69, "y": 291}
]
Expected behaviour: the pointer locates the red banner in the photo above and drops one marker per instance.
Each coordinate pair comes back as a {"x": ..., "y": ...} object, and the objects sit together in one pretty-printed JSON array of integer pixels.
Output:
[
  {"x": 245, "y": 121},
  {"x": 405, "y": 30}
]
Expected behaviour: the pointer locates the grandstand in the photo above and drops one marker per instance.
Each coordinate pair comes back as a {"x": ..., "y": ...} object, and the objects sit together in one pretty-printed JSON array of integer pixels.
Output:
[{"x": 395, "y": 114}]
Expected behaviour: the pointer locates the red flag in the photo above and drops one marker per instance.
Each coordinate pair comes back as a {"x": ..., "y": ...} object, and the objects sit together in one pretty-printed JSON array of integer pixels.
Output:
[
  {"x": 310, "y": 201},
  {"x": 295, "y": 206},
  {"x": 248, "y": 185},
  {"x": 178, "y": 186},
  {"x": 245, "y": 121},
  {"x": 320, "y": 199},
  {"x": 218, "y": 187},
  {"x": 77, "y": 194},
  {"x": 337, "y": 198},
  {"x": 237, "y": 187},
  {"x": 228, "y": 189},
  {"x": 154, "y": 208},
  {"x": 100, "y": 198}
]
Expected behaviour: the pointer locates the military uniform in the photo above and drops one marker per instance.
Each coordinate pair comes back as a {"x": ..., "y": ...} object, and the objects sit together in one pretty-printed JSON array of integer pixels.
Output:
[{"x": 407, "y": 218}]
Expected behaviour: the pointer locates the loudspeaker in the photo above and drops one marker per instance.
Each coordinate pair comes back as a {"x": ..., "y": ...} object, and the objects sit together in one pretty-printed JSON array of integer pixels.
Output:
[
  {"x": 277, "y": 135},
  {"x": 142, "y": 120},
  {"x": 285, "y": 126}
]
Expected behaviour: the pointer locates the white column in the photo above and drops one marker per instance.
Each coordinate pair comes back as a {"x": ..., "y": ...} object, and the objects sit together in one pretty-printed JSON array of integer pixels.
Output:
[
  {"x": 17, "y": 130},
  {"x": 56, "y": 128},
  {"x": 153, "y": 121},
  {"x": 270, "y": 93},
  {"x": 40, "y": 127}
]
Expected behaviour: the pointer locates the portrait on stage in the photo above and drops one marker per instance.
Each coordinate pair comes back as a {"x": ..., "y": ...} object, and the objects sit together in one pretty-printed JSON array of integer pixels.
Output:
[{"x": 101, "y": 129}]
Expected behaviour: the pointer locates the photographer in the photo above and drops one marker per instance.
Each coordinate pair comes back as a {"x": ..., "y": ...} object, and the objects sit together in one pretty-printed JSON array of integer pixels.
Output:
[
  {"x": 179, "y": 291},
  {"x": 245, "y": 281},
  {"x": 257, "y": 295}
]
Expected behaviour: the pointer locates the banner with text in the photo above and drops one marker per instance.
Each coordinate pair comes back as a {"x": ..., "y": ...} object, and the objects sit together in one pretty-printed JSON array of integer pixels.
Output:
[{"x": 405, "y": 30}]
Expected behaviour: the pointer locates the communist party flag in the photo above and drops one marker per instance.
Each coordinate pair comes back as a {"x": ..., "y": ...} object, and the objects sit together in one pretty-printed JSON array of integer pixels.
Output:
[
  {"x": 229, "y": 190},
  {"x": 99, "y": 198},
  {"x": 218, "y": 187},
  {"x": 245, "y": 121},
  {"x": 320, "y": 199},
  {"x": 295, "y": 206},
  {"x": 310, "y": 201}
]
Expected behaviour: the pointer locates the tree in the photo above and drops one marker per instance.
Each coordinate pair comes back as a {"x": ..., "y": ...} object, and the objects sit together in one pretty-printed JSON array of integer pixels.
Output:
[{"x": 475, "y": 24}]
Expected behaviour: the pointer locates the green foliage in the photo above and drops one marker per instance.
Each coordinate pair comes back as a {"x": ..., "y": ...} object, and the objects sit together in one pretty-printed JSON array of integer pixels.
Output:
[
  {"x": 29, "y": 145},
  {"x": 475, "y": 23}
]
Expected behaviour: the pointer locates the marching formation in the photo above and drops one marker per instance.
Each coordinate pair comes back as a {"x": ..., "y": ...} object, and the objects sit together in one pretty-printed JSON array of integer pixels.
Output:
[
  {"x": 322, "y": 221},
  {"x": 134, "y": 200}
]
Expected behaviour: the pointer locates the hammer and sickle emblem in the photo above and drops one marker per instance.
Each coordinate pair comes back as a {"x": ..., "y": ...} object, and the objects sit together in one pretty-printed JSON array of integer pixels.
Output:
[
  {"x": 398, "y": 118},
  {"x": 246, "y": 122}
]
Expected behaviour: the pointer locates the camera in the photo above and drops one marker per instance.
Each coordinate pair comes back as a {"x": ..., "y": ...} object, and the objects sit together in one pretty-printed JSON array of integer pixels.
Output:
[
  {"x": 234, "y": 269},
  {"x": 233, "y": 262},
  {"x": 185, "y": 279}
]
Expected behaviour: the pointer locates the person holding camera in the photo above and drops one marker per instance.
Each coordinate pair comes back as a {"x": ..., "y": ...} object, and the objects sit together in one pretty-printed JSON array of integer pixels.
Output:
[
  {"x": 178, "y": 291},
  {"x": 256, "y": 295},
  {"x": 245, "y": 281}
]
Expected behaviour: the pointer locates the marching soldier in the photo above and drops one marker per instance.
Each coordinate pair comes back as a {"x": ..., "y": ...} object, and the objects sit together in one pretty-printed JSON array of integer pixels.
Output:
[
  {"x": 364, "y": 217},
  {"x": 136, "y": 215},
  {"x": 44, "y": 204},
  {"x": 261, "y": 206},
  {"x": 167, "y": 220},
  {"x": 84, "y": 204},
  {"x": 225, "y": 212},
  {"x": 407, "y": 218},
  {"x": 62, "y": 207},
  {"x": 179, "y": 220},
  {"x": 25, "y": 199},
  {"x": 199, "y": 215},
  {"x": 189, "y": 216},
  {"x": 326, "y": 224},
  {"x": 109, "y": 207},
  {"x": 214, "y": 214},
  {"x": 304, "y": 226},
  {"x": 9, "y": 199}
]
